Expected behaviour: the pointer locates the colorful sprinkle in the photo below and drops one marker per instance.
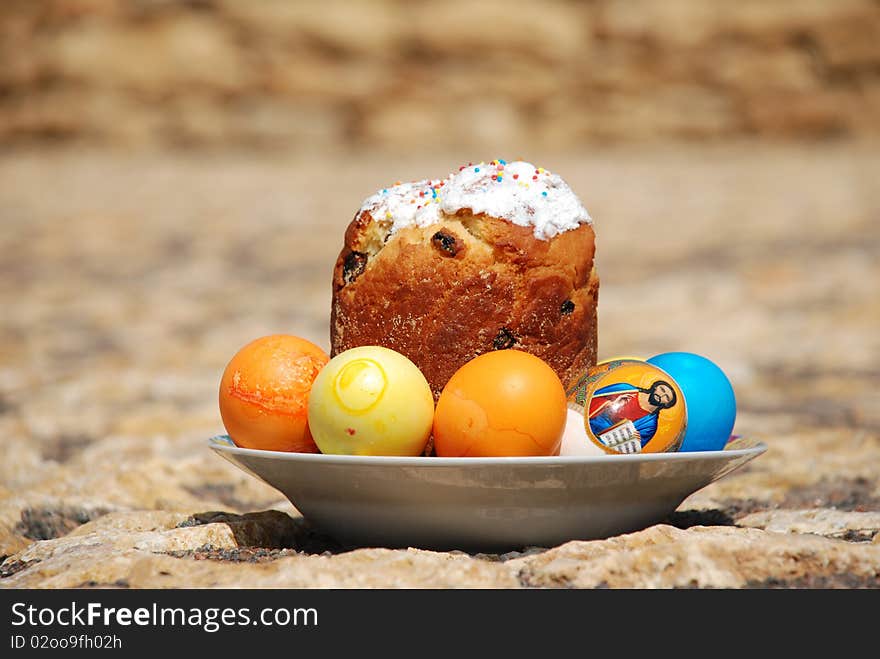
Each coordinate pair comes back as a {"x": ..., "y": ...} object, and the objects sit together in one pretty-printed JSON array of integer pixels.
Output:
[{"x": 391, "y": 204}]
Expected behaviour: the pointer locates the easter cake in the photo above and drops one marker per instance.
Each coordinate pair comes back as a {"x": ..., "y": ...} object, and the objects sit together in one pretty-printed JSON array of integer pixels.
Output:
[{"x": 497, "y": 255}]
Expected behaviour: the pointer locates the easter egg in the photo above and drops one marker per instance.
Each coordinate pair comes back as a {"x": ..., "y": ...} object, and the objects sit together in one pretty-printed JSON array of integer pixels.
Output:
[
  {"x": 264, "y": 393},
  {"x": 621, "y": 357},
  {"x": 501, "y": 403},
  {"x": 711, "y": 402},
  {"x": 575, "y": 440},
  {"x": 630, "y": 406},
  {"x": 371, "y": 401}
]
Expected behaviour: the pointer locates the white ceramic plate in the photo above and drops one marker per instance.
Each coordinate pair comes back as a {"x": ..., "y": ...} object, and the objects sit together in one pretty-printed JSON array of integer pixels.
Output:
[{"x": 485, "y": 504}]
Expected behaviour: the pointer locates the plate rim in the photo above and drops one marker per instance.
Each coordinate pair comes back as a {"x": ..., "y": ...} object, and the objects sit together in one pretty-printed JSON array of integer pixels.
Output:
[{"x": 223, "y": 443}]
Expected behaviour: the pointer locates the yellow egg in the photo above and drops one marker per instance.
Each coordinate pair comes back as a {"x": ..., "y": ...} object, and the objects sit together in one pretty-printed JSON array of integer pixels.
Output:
[{"x": 371, "y": 401}]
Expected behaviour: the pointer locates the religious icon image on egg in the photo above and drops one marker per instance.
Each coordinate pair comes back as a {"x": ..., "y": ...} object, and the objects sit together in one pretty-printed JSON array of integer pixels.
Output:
[{"x": 630, "y": 406}]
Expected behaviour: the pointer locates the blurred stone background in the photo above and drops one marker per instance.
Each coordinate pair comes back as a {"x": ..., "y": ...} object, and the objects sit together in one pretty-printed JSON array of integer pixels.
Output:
[
  {"x": 176, "y": 178},
  {"x": 498, "y": 73}
]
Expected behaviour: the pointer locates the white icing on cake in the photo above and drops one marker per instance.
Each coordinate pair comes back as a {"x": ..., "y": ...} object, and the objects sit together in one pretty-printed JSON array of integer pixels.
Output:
[
  {"x": 518, "y": 192},
  {"x": 405, "y": 204}
]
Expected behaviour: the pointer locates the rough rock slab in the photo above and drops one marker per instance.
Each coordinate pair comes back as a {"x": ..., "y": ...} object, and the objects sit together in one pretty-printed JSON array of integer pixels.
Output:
[
  {"x": 659, "y": 557},
  {"x": 831, "y": 523}
]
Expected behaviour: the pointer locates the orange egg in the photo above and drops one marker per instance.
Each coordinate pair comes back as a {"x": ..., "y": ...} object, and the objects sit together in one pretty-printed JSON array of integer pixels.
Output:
[
  {"x": 502, "y": 403},
  {"x": 264, "y": 393}
]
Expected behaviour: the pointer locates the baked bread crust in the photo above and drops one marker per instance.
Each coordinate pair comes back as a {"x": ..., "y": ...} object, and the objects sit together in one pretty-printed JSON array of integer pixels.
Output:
[{"x": 466, "y": 284}]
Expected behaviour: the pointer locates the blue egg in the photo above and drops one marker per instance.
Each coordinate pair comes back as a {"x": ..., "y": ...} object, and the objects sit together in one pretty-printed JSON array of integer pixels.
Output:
[{"x": 711, "y": 403}]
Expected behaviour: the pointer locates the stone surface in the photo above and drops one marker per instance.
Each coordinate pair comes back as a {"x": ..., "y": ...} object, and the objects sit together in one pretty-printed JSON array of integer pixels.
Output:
[
  {"x": 831, "y": 523},
  {"x": 658, "y": 557},
  {"x": 127, "y": 281},
  {"x": 389, "y": 72}
]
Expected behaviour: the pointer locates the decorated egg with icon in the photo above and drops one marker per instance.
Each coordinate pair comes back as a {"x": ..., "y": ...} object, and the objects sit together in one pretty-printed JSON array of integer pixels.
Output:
[{"x": 630, "y": 406}]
